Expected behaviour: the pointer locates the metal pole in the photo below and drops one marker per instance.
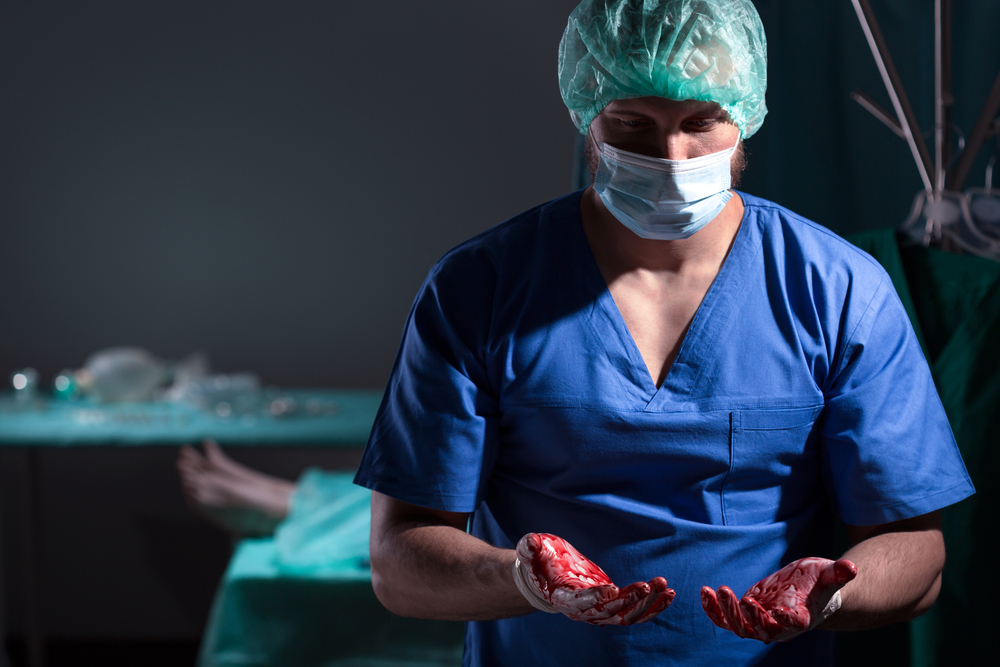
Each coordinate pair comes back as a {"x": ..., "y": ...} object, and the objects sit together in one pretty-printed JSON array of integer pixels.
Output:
[
  {"x": 29, "y": 539},
  {"x": 879, "y": 113},
  {"x": 4, "y": 660},
  {"x": 938, "y": 103},
  {"x": 894, "y": 86},
  {"x": 947, "y": 99},
  {"x": 978, "y": 136}
]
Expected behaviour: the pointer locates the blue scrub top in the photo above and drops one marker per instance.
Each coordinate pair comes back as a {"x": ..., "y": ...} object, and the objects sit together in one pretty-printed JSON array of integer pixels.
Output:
[{"x": 799, "y": 392}]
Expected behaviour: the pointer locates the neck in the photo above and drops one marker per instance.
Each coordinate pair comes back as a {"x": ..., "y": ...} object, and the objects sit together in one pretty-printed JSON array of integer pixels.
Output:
[{"x": 618, "y": 249}]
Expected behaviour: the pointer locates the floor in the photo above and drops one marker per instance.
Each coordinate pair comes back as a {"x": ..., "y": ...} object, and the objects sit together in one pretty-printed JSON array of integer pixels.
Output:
[{"x": 108, "y": 652}]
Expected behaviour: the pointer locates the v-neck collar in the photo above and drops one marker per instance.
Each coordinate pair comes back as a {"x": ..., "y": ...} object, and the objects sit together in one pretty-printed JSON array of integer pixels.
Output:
[{"x": 694, "y": 356}]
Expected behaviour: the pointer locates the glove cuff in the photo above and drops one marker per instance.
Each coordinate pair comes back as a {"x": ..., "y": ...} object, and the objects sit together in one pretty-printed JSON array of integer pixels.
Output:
[
  {"x": 831, "y": 606},
  {"x": 520, "y": 572}
]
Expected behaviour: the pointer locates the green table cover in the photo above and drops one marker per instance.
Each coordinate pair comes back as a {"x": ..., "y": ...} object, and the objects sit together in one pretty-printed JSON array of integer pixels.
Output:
[
  {"x": 322, "y": 417},
  {"x": 304, "y": 597}
]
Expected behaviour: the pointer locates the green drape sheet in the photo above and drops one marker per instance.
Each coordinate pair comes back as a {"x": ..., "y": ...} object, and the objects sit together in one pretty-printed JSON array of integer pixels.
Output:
[
  {"x": 304, "y": 598},
  {"x": 954, "y": 305}
]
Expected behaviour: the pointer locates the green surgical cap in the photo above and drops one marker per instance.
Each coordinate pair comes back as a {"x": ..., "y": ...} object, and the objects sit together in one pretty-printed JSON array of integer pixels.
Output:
[{"x": 706, "y": 50}]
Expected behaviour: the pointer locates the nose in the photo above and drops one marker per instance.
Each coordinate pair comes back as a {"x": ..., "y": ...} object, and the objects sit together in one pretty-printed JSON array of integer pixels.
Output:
[{"x": 675, "y": 146}]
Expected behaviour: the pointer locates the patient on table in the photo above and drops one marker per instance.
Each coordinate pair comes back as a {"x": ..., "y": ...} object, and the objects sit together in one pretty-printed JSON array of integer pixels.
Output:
[{"x": 321, "y": 521}]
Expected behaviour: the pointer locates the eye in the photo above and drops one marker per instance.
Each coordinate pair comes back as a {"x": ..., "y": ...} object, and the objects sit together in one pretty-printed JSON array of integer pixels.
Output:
[
  {"x": 702, "y": 123},
  {"x": 631, "y": 123}
]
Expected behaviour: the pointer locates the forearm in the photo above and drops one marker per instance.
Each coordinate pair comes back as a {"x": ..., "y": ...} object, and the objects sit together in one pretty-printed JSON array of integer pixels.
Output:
[
  {"x": 424, "y": 569},
  {"x": 899, "y": 576}
]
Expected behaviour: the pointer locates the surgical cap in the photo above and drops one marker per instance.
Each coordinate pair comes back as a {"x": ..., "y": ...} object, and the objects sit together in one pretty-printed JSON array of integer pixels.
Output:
[{"x": 705, "y": 50}]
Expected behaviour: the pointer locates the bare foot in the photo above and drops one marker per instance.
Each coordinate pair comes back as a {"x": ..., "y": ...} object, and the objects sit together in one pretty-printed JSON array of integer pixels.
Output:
[{"x": 242, "y": 501}]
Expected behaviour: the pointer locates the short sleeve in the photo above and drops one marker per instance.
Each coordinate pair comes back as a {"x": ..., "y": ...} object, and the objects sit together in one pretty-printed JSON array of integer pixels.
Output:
[
  {"x": 435, "y": 434},
  {"x": 888, "y": 450}
]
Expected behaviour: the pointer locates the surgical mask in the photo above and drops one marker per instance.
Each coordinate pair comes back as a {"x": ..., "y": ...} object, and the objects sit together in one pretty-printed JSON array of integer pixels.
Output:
[{"x": 663, "y": 199}]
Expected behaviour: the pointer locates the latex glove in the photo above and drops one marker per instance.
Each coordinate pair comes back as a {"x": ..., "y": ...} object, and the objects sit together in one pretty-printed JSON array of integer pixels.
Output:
[
  {"x": 556, "y": 578},
  {"x": 793, "y": 600}
]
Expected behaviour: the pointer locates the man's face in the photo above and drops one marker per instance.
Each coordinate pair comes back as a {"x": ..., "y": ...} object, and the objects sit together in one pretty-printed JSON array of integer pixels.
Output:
[{"x": 662, "y": 128}]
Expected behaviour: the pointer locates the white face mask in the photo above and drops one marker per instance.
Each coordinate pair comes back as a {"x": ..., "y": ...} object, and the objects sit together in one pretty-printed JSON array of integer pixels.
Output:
[{"x": 663, "y": 199}]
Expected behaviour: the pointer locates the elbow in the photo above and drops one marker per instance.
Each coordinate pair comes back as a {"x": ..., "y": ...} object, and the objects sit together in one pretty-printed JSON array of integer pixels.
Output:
[
  {"x": 385, "y": 592},
  {"x": 389, "y": 586},
  {"x": 934, "y": 558},
  {"x": 923, "y": 603},
  {"x": 928, "y": 599}
]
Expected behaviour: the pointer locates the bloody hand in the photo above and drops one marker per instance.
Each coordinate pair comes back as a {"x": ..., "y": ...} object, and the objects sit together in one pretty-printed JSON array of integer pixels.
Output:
[
  {"x": 554, "y": 576},
  {"x": 796, "y": 598}
]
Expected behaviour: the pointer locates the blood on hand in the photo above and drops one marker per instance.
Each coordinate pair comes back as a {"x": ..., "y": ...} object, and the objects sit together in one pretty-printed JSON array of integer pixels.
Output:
[
  {"x": 578, "y": 588},
  {"x": 782, "y": 605}
]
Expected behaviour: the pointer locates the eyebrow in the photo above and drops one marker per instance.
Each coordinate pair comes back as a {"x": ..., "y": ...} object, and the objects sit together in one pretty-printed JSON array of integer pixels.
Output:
[{"x": 703, "y": 109}]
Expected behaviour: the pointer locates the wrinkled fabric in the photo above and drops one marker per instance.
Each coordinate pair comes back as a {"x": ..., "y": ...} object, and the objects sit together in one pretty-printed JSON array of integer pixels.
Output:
[
  {"x": 954, "y": 304},
  {"x": 304, "y": 597},
  {"x": 705, "y": 50},
  {"x": 799, "y": 390},
  {"x": 328, "y": 524},
  {"x": 264, "y": 616}
]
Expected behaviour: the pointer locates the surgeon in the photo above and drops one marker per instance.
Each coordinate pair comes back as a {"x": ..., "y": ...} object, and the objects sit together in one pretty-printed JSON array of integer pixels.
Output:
[{"x": 621, "y": 426}]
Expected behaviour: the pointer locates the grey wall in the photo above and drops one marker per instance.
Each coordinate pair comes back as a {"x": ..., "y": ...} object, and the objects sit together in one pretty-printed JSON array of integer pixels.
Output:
[
  {"x": 267, "y": 182},
  {"x": 264, "y": 181}
]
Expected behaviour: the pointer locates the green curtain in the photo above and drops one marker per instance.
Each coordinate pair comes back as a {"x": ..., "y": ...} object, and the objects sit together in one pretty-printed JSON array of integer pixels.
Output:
[{"x": 954, "y": 305}]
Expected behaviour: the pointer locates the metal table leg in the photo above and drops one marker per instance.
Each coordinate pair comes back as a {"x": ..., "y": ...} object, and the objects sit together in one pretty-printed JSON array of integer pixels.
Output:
[
  {"x": 29, "y": 555},
  {"x": 4, "y": 660}
]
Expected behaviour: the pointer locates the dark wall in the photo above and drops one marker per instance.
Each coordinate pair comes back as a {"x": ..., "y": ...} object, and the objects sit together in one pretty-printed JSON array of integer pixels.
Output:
[{"x": 267, "y": 182}]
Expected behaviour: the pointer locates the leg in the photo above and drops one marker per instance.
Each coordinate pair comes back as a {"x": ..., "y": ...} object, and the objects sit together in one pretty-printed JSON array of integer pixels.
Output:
[{"x": 242, "y": 501}]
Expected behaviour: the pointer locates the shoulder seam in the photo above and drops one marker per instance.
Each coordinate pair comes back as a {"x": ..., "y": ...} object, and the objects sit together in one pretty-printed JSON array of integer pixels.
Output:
[{"x": 766, "y": 204}]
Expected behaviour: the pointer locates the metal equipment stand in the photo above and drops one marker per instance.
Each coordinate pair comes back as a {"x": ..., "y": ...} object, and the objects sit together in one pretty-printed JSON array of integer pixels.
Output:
[{"x": 937, "y": 175}]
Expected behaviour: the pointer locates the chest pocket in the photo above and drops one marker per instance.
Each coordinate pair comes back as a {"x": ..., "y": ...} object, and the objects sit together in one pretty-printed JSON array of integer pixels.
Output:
[{"x": 774, "y": 468}]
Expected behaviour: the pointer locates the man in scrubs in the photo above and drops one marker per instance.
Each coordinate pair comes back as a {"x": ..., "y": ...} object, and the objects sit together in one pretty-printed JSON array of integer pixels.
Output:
[{"x": 659, "y": 380}]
